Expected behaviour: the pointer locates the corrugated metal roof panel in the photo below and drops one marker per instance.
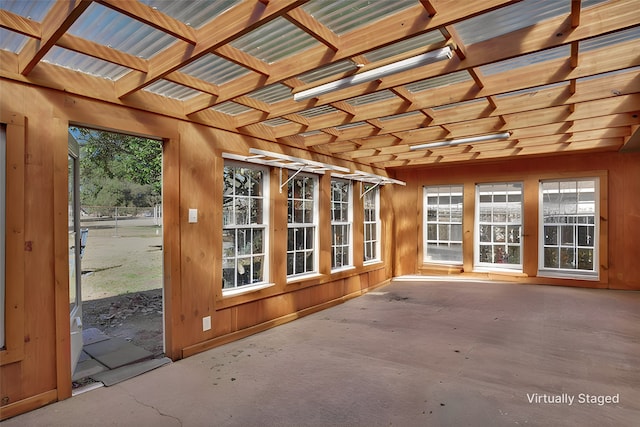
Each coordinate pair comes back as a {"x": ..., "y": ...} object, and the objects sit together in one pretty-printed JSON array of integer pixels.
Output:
[
  {"x": 275, "y": 41},
  {"x": 532, "y": 89},
  {"x": 328, "y": 71},
  {"x": 272, "y": 93},
  {"x": 33, "y": 10},
  {"x": 459, "y": 104},
  {"x": 318, "y": 111},
  {"x": 382, "y": 95},
  {"x": 194, "y": 13},
  {"x": 172, "y": 90},
  {"x": 344, "y": 16},
  {"x": 120, "y": 32},
  {"x": 610, "y": 73},
  {"x": 632, "y": 33},
  {"x": 84, "y": 63},
  {"x": 278, "y": 121},
  {"x": 214, "y": 69},
  {"x": 440, "y": 81},
  {"x": 13, "y": 42},
  {"x": 523, "y": 61},
  {"x": 510, "y": 18},
  {"x": 351, "y": 125},
  {"x": 401, "y": 116},
  {"x": 231, "y": 108},
  {"x": 405, "y": 46}
]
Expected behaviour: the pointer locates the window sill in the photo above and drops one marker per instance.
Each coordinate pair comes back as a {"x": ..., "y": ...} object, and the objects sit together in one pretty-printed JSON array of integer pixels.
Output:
[
  {"x": 302, "y": 278},
  {"x": 342, "y": 269},
  {"x": 568, "y": 275},
  {"x": 245, "y": 289},
  {"x": 372, "y": 262}
]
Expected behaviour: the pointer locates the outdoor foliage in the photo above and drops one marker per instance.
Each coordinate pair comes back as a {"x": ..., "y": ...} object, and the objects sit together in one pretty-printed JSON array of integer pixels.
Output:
[{"x": 118, "y": 170}]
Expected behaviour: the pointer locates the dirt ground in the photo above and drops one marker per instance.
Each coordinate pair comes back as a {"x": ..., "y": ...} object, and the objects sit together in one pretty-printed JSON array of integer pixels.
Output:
[{"x": 122, "y": 281}]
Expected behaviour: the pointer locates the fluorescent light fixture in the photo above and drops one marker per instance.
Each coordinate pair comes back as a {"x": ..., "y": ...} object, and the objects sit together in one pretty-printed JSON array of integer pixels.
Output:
[
  {"x": 458, "y": 141},
  {"x": 376, "y": 73}
]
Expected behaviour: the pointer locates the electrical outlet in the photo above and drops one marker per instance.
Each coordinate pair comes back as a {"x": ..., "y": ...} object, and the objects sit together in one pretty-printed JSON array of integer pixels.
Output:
[{"x": 206, "y": 323}]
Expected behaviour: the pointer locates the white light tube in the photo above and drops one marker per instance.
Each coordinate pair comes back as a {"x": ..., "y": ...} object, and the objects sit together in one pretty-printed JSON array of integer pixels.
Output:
[
  {"x": 376, "y": 73},
  {"x": 458, "y": 141}
]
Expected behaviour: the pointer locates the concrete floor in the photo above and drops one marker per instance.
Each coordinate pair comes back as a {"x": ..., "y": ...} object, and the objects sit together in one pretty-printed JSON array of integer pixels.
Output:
[{"x": 411, "y": 353}]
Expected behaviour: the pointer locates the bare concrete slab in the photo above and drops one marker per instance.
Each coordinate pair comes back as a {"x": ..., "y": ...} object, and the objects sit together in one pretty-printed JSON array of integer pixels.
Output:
[{"x": 415, "y": 353}]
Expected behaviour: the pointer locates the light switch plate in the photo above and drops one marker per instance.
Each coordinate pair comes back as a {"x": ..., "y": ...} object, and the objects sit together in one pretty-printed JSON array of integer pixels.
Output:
[
  {"x": 206, "y": 323},
  {"x": 193, "y": 216}
]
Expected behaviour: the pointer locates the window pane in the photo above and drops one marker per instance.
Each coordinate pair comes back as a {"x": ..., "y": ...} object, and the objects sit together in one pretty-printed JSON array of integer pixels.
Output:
[
  {"x": 550, "y": 235},
  {"x": 302, "y": 213},
  {"x": 244, "y": 231},
  {"x": 499, "y": 214},
  {"x": 551, "y": 257},
  {"x": 443, "y": 223}
]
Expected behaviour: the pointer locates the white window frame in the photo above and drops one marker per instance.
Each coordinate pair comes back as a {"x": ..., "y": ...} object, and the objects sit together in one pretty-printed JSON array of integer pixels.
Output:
[
  {"x": 509, "y": 239},
  {"x": 371, "y": 225},
  {"x": 568, "y": 220},
  {"x": 446, "y": 221},
  {"x": 341, "y": 223},
  {"x": 229, "y": 224},
  {"x": 295, "y": 228}
]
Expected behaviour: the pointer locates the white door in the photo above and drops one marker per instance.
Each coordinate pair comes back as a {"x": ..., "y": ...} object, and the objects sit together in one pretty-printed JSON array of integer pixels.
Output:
[{"x": 75, "y": 242}]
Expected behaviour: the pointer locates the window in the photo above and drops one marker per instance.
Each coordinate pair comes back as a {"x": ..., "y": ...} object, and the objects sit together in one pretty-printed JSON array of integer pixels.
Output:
[
  {"x": 302, "y": 225},
  {"x": 569, "y": 231},
  {"x": 371, "y": 202},
  {"x": 499, "y": 219},
  {"x": 244, "y": 228},
  {"x": 340, "y": 223},
  {"x": 443, "y": 224}
]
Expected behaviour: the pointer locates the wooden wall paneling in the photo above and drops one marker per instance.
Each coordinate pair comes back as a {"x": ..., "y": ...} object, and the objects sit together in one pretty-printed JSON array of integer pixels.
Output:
[
  {"x": 171, "y": 247},
  {"x": 420, "y": 222},
  {"x": 605, "y": 242},
  {"x": 387, "y": 226},
  {"x": 39, "y": 369},
  {"x": 405, "y": 221},
  {"x": 59, "y": 142},
  {"x": 352, "y": 285},
  {"x": 468, "y": 225},
  {"x": 324, "y": 224},
  {"x": 200, "y": 243},
  {"x": 15, "y": 266},
  {"x": 357, "y": 231},
  {"x": 628, "y": 275},
  {"x": 529, "y": 234},
  {"x": 279, "y": 228}
]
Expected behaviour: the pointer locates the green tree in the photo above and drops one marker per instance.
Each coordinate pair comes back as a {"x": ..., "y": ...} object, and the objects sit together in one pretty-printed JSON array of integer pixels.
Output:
[{"x": 119, "y": 170}]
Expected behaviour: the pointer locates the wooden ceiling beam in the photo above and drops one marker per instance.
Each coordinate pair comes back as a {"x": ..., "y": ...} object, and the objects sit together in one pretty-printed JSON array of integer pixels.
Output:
[
  {"x": 314, "y": 28},
  {"x": 230, "y": 25},
  {"x": 576, "y": 6},
  {"x": 193, "y": 83},
  {"x": 19, "y": 24},
  {"x": 598, "y": 61},
  {"x": 102, "y": 52},
  {"x": 152, "y": 17},
  {"x": 253, "y": 103},
  {"x": 239, "y": 57},
  {"x": 528, "y": 40},
  {"x": 450, "y": 33},
  {"x": 57, "y": 21},
  {"x": 429, "y": 7},
  {"x": 402, "y": 25}
]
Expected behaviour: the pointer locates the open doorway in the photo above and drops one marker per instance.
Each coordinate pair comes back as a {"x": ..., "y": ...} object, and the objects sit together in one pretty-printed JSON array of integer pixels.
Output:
[{"x": 119, "y": 239}]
